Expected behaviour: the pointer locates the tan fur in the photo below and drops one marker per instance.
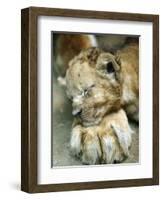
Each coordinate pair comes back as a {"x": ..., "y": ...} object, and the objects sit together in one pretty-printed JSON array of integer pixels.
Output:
[
  {"x": 128, "y": 59},
  {"x": 90, "y": 89},
  {"x": 102, "y": 143},
  {"x": 98, "y": 97},
  {"x": 96, "y": 92}
]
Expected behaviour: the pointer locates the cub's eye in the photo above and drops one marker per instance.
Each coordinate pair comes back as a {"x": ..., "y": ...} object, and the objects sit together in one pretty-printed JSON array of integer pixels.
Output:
[
  {"x": 110, "y": 68},
  {"x": 86, "y": 92}
]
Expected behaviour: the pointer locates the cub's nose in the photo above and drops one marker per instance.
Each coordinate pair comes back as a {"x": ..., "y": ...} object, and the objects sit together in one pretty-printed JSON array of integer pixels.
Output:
[{"x": 77, "y": 112}]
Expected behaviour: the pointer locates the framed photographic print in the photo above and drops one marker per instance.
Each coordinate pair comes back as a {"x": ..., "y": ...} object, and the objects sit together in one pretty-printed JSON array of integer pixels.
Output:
[{"x": 90, "y": 99}]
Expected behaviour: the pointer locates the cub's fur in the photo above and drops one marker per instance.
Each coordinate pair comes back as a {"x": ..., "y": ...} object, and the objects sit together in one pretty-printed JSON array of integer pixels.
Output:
[
  {"x": 100, "y": 86},
  {"x": 98, "y": 83}
]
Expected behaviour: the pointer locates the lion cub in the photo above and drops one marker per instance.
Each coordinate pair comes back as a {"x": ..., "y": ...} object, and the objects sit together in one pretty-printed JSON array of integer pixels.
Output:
[
  {"x": 100, "y": 86},
  {"x": 99, "y": 83}
]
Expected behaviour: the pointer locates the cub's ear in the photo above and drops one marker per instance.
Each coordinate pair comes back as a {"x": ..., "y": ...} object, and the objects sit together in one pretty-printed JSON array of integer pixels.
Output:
[
  {"x": 61, "y": 81},
  {"x": 124, "y": 138},
  {"x": 108, "y": 67},
  {"x": 107, "y": 63}
]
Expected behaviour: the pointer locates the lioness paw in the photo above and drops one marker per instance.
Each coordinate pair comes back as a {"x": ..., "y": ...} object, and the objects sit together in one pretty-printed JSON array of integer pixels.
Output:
[{"x": 94, "y": 146}]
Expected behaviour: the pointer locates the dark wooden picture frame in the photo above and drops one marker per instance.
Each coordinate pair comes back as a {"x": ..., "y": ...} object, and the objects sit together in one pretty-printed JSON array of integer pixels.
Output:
[{"x": 29, "y": 137}]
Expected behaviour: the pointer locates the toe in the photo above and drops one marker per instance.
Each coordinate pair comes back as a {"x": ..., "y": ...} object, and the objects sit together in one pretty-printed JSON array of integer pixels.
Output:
[
  {"x": 75, "y": 142},
  {"x": 91, "y": 152}
]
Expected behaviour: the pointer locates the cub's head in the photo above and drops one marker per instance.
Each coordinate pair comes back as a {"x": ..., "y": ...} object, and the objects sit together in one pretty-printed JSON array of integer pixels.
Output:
[{"x": 93, "y": 84}]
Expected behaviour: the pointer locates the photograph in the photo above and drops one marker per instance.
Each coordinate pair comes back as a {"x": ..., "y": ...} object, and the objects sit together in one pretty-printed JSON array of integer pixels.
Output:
[
  {"x": 95, "y": 99},
  {"x": 90, "y": 99}
]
